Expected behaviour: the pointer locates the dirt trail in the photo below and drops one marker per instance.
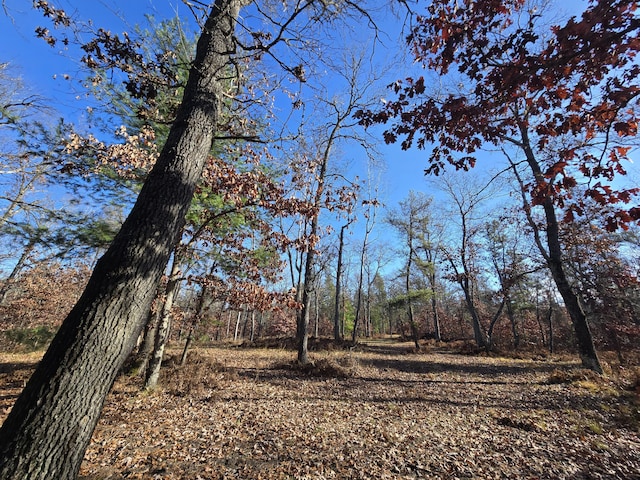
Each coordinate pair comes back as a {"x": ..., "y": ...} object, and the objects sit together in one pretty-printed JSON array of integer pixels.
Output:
[{"x": 378, "y": 412}]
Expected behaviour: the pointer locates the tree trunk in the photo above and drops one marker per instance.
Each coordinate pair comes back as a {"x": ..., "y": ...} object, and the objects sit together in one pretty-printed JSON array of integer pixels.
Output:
[
  {"x": 436, "y": 319},
  {"x": 243, "y": 334},
  {"x": 356, "y": 320},
  {"x": 492, "y": 325},
  {"x": 433, "y": 284},
  {"x": 412, "y": 322},
  {"x": 514, "y": 325},
  {"x": 363, "y": 255},
  {"x": 6, "y": 285},
  {"x": 237, "y": 330},
  {"x": 586, "y": 348},
  {"x": 145, "y": 350},
  {"x": 302, "y": 332},
  {"x": 47, "y": 432},
  {"x": 336, "y": 311},
  {"x": 553, "y": 256},
  {"x": 316, "y": 316},
  {"x": 478, "y": 336},
  {"x": 261, "y": 323},
  {"x": 195, "y": 320},
  {"x": 162, "y": 329},
  {"x": 550, "y": 323},
  {"x": 303, "y": 318},
  {"x": 187, "y": 346},
  {"x": 255, "y": 327},
  {"x": 229, "y": 316},
  {"x": 540, "y": 326}
]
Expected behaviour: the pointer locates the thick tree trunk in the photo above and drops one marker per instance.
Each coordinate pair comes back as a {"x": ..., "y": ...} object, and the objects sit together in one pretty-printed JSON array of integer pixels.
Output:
[
  {"x": 47, "y": 431},
  {"x": 303, "y": 318},
  {"x": 253, "y": 326},
  {"x": 586, "y": 348},
  {"x": 302, "y": 332}
]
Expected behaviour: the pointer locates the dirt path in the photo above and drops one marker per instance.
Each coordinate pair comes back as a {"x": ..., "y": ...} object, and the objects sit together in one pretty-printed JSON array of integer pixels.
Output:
[{"x": 379, "y": 413}]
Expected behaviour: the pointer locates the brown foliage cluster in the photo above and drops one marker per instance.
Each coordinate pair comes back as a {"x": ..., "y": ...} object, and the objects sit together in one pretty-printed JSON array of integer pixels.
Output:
[
  {"x": 43, "y": 295},
  {"x": 570, "y": 94},
  {"x": 132, "y": 159}
]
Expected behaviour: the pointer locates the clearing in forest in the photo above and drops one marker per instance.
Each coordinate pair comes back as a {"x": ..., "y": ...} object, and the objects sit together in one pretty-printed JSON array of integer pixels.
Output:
[{"x": 379, "y": 412}]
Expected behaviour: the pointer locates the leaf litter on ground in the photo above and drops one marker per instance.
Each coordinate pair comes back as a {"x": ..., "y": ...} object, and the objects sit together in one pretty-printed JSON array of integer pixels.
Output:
[{"x": 377, "y": 412}]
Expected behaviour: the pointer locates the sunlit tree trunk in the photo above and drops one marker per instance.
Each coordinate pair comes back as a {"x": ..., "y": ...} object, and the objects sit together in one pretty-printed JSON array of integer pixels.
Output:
[
  {"x": 6, "y": 285},
  {"x": 47, "y": 432},
  {"x": 163, "y": 326},
  {"x": 236, "y": 332},
  {"x": 195, "y": 320},
  {"x": 141, "y": 361}
]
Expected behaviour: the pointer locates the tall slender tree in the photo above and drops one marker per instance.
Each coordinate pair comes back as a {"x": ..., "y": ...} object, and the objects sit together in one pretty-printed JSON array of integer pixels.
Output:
[
  {"x": 564, "y": 100},
  {"x": 411, "y": 221}
]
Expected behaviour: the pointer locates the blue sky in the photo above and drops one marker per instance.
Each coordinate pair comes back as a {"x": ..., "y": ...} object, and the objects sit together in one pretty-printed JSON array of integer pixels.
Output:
[
  {"x": 44, "y": 70},
  {"x": 43, "y": 67}
]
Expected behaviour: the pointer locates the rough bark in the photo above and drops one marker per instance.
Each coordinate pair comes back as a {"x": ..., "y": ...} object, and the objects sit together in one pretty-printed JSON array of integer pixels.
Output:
[
  {"x": 303, "y": 318},
  {"x": 492, "y": 325},
  {"x": 47, "y": 432},
  {"x": 586, "y": 348}
]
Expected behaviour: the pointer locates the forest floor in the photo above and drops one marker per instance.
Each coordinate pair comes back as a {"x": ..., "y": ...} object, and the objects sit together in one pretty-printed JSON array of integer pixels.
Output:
[{"x": 380, "y": 411}]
